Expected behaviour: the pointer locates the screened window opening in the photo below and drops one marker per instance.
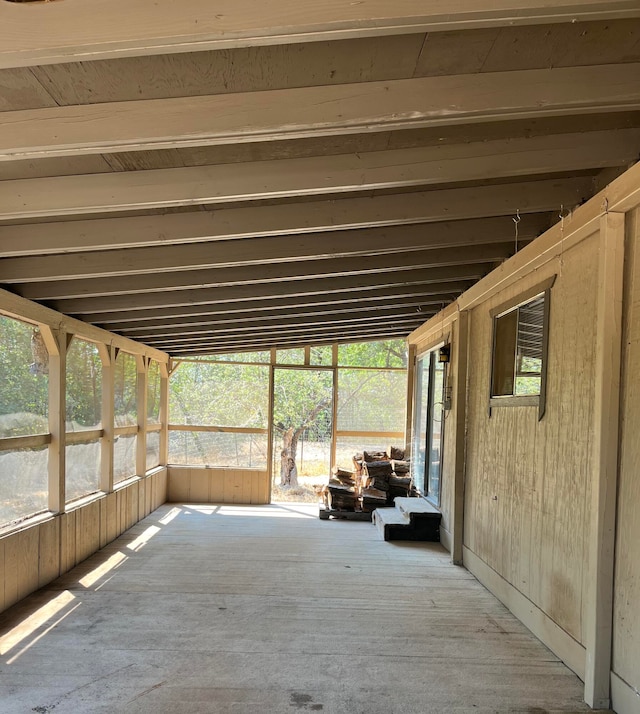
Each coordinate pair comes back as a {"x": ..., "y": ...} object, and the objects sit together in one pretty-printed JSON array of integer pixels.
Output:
[{"x": 519, "y": 353}]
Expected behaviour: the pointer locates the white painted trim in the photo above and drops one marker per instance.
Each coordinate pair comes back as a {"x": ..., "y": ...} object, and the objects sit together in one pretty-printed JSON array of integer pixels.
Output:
[
  {"x": 624, "y": 698},
  {"x": 446, "y": 539},
  {"x": 571, "y": 652},
  {"x": 598, "y": 612}
]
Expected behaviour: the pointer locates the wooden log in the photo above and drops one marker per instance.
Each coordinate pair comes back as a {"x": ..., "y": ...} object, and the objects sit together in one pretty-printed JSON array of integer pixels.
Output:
[
  {"x": 341, "y": 497},
  {"x": 400, "y": 467},
  {"x": 370, "y": 456},
  {"x": 373, "y": 498}
]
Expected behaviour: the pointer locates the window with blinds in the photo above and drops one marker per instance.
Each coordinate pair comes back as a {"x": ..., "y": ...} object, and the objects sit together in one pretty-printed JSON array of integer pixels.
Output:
[{"x": 519, "y": 352}]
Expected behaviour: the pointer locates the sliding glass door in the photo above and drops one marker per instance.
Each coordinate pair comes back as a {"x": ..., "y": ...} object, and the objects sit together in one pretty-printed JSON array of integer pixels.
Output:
[{"x": 428, "y": 427}]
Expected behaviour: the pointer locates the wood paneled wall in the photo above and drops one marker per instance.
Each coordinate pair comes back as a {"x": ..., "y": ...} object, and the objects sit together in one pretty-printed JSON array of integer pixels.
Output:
[
  {"x": 36, "y": 555},
  {"x": 217, "y": 485},
  {"x": 626, "y": 636},
  {"x": 528, "y": 481}
]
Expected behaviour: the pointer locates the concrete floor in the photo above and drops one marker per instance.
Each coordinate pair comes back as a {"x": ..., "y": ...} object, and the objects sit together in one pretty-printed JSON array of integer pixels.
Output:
[{"x": 268, "y": 609}]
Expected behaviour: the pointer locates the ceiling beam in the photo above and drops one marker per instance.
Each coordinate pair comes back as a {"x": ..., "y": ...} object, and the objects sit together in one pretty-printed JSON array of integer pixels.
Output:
[
  {"x": 236, "y": 294},
  {"x": 295, "y": 317},
  {"x": 325, "y": 110},
  {"x": 307, "y": 327},
  {"x": 283, "y": 329},
  {"x": 320, "y": 175},
  {"x": 282, "y": 341},
  {"x": 292, "y": 218},
  {"x": 66, "y": 32},
  {"x": 274, "y": 249},
  {"x": 270, "y": 272},
  {"x": 424, "y": 294}
]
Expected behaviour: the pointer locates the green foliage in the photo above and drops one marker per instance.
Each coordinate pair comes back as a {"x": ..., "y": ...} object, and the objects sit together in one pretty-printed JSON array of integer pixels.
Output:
[
  {"x": 384, "y": 353},
  {"x": 153, "y": 392},
  {"x": 292, "y": 356},
  {"x": 84, "y": 384},
  {"x": 125, "y": 390},
  {"x": 24, "y": 390},
  {"x": 302, "y": 400},
  {"x": 210, "y": 394}
]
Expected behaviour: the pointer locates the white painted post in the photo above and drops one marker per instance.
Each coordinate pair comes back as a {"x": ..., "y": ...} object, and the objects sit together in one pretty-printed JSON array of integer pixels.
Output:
[
  {"x": 108, "y": 356},
  {"x": 142, "y": 364},
  {"x": 598, "y": 623},
  {"x": 56, "y": 342}
]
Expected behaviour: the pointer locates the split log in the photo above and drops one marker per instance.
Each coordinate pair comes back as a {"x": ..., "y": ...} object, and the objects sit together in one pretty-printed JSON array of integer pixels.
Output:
[
  {"x": 370, "y": 456},
  {"x": 396, "y": 453},
  {"x": 399, "y": 486},
  {"x": 342, "y": 497},
  {"x": 373, "y": 498},
  {"x": 378, "y": 474},
  {"x": 348, "y": 478},
  {"x": 400, "y": 466}
]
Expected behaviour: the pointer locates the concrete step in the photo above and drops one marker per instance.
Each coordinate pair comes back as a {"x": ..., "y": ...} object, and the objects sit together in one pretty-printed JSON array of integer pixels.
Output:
[
  {"x": 411, "y": 519},
  {"x": 415, "y": 505},
  {"x": 383, "y": 518}
]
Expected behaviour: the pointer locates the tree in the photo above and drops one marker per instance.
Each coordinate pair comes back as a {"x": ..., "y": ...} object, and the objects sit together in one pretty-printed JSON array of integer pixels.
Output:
[
  {"x": 214, "y": 393},
  {"x": 302, "y": 399}
]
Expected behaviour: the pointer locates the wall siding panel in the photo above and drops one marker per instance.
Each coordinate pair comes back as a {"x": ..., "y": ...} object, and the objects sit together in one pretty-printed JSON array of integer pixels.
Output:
[
  {"x": 36, "y": 555},
  {"x": 217, "y": 485},
  {"x": 626, "y": 636},
  {"x": 528, "y": 481}
]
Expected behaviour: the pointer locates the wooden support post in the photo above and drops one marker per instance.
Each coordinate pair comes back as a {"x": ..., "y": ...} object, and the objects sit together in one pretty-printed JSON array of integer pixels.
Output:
[
  {"x": 599, "y": 604},
  {"x": 458, "y": 382},
  {"x": 56, "y": 342},
  {"x": 142, "y": 364},
  {"x": 334, "y": 404},
  {"x": 270, "y": 434},
  {"x": 411, "y": 391},
  {"x": 108, "y": 356},
  {"x": 165, "y": 374}
]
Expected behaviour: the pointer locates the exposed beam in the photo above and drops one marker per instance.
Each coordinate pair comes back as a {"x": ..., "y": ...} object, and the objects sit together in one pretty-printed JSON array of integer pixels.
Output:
[
  {"x": 197, "y": 315},
  {"x": 326, "y": 110},
  {"x": 270, "y": 272},
  {"x": 382, "y": 332},
  {"x": 415, "y": 307},
  {"x": 289, "y": 332},
  {"x": 65, "y": 32},
  {"x": 289, "y": 218},
  {"x": 319, "y": 175},
  {"x": 273, "y": 249},
  {"x": 356, "y": 284},
  {"x": 396, "y": 317}
]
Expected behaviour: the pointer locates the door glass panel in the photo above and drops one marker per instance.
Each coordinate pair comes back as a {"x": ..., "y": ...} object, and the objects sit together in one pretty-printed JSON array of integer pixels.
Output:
[
  {"x": 436, "y": 430},
  {"x": 420, "y": 426}
]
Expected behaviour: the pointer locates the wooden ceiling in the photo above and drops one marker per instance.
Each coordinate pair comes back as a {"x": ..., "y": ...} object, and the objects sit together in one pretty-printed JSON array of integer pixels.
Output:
[{"x": 238, "y": 175}]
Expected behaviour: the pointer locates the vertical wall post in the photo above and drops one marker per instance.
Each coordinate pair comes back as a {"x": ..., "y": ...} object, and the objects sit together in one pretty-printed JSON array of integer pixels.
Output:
[
  {"x": 459, "y": 397},
  {"x": 108, "y": 356},
  {"x": 334, "y": 405},
  {"x": 599, "y": 603},
  {"x": 165, "y": 373},
  {"x": 56, "y": 342},
  {"x": 411, "y": 391},
  {"x": 142, "y": 364},
  {"x": 270, "y": 434}
]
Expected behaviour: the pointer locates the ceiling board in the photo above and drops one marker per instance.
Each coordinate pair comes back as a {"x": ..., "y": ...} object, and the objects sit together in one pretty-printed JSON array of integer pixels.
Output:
[
  {"x": 327, "y": 110},
  {"x": 270, "y": 272},
  {"x": 67, "y": 31},
  {"x": 197, "y": 295}
]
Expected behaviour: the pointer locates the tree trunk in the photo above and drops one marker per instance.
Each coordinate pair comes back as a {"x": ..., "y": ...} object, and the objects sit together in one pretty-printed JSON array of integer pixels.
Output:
[{"x": 288, "y": 468}]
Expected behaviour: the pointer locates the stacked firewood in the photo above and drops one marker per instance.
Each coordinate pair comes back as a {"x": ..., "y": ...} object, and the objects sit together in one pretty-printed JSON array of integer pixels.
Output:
[{"x": 377, "y": 478}]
